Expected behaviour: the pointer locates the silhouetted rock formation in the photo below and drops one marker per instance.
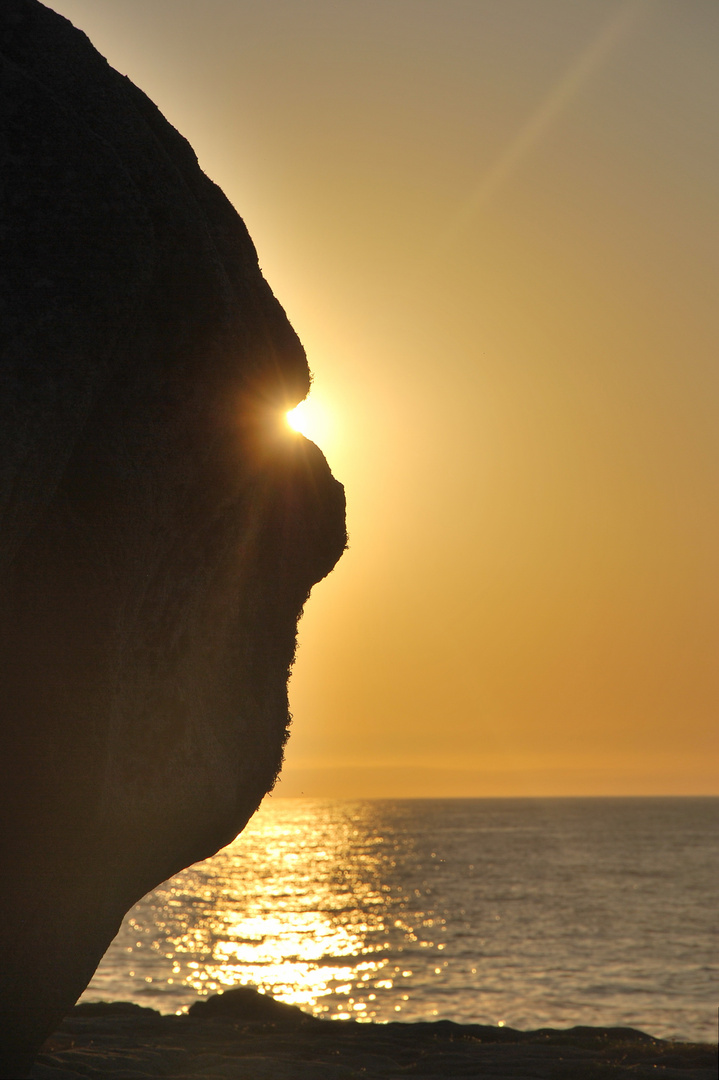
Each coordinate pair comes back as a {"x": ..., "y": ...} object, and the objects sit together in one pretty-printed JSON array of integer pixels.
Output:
[{"x": 159, "y": 533}]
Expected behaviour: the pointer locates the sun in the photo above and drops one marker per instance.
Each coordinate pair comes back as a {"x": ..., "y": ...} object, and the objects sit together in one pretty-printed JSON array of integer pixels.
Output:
[
  {"x": 294, "y": 418},
  {"x": 309, "y": 419}
]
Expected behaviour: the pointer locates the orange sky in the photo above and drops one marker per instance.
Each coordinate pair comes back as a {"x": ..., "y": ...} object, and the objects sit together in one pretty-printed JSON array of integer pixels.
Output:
[{"x": 494, "y": 225}]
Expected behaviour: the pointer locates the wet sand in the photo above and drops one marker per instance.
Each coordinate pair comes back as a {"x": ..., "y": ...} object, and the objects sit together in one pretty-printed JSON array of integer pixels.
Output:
[{"x": 113, "y": 1041}]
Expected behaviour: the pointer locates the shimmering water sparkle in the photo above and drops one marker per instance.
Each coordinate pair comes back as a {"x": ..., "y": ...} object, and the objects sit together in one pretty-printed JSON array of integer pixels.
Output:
[{"x": 528, "y": 913}]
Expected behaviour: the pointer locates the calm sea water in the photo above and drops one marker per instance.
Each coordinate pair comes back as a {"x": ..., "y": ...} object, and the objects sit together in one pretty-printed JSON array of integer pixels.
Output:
[{"x": 524, "y": 912}]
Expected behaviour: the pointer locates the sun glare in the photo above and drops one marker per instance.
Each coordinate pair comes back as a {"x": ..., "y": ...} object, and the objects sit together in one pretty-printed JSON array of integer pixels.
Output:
[
  {"x": 309, "y": 419},
  {"x": 294, "y": 418}
]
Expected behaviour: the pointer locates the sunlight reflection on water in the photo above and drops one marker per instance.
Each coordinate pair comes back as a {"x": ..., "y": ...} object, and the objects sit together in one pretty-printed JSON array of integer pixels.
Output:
[
  {"x": 522, "y": 912},
  {"x": 287, "y": 908}
]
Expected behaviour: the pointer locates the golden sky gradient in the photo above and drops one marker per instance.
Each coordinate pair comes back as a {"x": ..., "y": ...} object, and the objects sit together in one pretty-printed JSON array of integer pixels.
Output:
[{"x": 495, "y": 226}]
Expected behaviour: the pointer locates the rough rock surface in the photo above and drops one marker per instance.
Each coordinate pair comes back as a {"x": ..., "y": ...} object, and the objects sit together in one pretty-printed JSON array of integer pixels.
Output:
[
  {"x": 124, "y": 1040},
  {"x": 159, "y": 532}
]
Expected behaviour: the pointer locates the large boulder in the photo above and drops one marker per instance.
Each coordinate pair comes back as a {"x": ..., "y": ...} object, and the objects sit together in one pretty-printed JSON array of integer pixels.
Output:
[{"x": 160, "y": 527}]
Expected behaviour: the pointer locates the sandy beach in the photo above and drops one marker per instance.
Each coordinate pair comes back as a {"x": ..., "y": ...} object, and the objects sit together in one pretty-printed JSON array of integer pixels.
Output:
[{"x": 121, "y": 1040}]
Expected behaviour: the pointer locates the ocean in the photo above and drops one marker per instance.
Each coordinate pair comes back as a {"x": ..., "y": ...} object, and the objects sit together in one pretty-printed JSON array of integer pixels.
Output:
[{"x": 520, "y": 912}]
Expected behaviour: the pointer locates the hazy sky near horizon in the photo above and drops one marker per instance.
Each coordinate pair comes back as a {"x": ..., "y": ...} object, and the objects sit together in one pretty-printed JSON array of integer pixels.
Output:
[{"x": 494, "y": 225}]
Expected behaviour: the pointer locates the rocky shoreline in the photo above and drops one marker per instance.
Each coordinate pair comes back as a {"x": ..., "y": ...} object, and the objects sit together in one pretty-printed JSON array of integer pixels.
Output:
[{"x": 241, "y": 1035}]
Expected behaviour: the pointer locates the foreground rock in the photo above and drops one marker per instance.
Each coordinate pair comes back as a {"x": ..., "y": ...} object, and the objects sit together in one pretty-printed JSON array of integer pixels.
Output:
[
  {"x": 124, "y": 1040},
  {"x": 159, "y": 534}
]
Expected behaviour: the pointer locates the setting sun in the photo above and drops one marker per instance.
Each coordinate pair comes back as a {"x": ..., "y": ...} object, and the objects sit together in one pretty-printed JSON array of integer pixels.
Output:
[
  {"x": 309, "y": 419},
  {"x": 294, "y": 418}
]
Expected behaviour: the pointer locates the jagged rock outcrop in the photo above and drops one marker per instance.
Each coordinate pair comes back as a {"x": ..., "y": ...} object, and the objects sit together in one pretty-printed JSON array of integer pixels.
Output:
[{"x": 159, "y": 531}]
